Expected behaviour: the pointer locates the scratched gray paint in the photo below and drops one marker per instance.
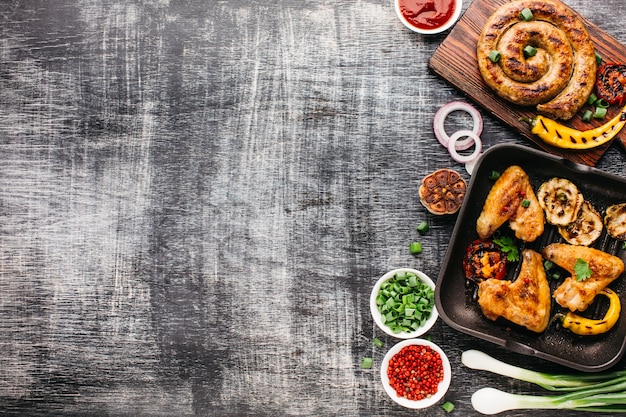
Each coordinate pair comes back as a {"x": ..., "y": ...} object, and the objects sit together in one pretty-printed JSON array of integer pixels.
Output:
[{"x": 196, "y": 197}]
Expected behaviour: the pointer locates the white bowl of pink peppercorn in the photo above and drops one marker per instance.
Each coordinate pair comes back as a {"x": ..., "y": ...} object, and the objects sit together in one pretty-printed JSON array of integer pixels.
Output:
[{"x": 416, "y": 373}]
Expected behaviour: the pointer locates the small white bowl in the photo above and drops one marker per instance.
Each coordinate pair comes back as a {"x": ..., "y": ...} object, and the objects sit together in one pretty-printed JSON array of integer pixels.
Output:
[
  {"x": 434, "y": 315},
  {"x": 443, "y": 385},
  {"x": 458, "y": 6}
]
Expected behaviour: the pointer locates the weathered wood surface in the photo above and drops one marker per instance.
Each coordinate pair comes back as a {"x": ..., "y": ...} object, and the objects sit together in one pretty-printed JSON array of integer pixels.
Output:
[
  {"x": 455, "y": 61},
  {"x": 196, "y": 198}
]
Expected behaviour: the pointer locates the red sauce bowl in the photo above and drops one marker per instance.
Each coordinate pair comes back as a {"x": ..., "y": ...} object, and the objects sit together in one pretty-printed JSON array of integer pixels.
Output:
[{"x": 428, "y": 16}]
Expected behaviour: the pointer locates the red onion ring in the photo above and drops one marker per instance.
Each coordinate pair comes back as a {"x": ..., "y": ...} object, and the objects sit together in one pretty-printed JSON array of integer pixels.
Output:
[
  {"x": 473, "y": 138},
  {"x": 444, "y": 111}
]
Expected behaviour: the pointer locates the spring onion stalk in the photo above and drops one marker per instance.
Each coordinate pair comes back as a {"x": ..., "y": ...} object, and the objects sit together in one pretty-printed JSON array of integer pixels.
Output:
[
  {"x": 601, "y": 392},
  {"x": 475, "y": 359},
  {"x": 493, "y": 401}
]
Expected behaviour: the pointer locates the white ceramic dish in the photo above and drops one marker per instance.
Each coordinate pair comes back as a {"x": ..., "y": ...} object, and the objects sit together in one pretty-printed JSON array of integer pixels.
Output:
[
  {"x": 378, "y": 317},
  {"x": 458, "y": 6},
  {"x": 443, "y": 385}
]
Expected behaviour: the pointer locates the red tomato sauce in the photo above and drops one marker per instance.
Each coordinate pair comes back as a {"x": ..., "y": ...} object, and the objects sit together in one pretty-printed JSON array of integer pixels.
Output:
[{"x": 427, "y": 14}]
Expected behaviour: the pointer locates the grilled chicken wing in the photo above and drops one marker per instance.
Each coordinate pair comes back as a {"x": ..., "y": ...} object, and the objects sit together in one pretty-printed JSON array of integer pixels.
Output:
[
  {"x": 525, "y": 301},
  {"x": 577, "y": 295},
  {"x": 529, "y": 218},
  {"x": 504, "y": 203}
]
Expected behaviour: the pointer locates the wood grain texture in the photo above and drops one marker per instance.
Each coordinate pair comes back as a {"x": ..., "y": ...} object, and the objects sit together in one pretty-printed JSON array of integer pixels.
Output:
[
  {"x": 455, "y": 61},
  {"x": 196, "y": 198}
]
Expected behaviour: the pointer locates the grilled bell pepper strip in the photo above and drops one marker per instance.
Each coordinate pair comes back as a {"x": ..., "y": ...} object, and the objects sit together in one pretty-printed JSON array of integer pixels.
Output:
[
  {"x": 585, "y": 327},
  {"x": 556, "y": 134}
]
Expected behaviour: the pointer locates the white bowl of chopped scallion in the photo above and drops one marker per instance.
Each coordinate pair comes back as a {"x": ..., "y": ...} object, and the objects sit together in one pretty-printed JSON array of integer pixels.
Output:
[{"x": 402, "y": 303}]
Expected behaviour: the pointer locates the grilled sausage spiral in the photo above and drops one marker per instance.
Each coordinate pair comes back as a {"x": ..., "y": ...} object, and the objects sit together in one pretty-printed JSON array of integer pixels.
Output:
[{"x": 559, "y": 79}]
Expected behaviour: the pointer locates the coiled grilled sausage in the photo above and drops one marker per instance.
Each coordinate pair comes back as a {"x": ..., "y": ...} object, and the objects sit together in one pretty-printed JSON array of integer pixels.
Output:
[{"x": 559, "y": 79}]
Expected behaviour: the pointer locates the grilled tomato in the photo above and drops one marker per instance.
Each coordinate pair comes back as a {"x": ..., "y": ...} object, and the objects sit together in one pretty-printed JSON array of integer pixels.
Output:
[{"x": 483, "y": 260}]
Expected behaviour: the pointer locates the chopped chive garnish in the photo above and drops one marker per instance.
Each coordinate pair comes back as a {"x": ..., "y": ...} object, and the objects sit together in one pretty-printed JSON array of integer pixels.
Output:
[
  {"x": 599, "y": 113},
  {"x": 530, "y": 51},
  {"x": 592, "y": 98},
  {"x": 525, "y": 203},
  {"x": 378, "y": 343},
  {"x": 494, "y": 56},
  {"x": 624, "y": 245},
  {"x": 602, "y": 103},
  {"x": 366, "y": 363},
  {"x": 422, "y": 228},
  {"x": 556, "y": 276},
  {"x": 526, "y": 14},
  {"x": 547, "y": 265},
  {"x": 587, "y": 115},
  {"x": 405, "y": 302},
  {"x": 447, "y": 406},
  {"x": 415, "y": 248},
  {"x": 598, "y": 58}
]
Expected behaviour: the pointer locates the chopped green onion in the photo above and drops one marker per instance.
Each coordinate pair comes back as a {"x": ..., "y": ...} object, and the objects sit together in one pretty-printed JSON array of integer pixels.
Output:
[
  {"x": 598, "y": 58},
  {"x": 447, "y": 406},
  {"x": 530, "y": 51},
  {"x": 378, "y": 343},
  {"x": 587, "y": 115},
  {"x": 526, "y": 14},
  {"x": 366, "y": 363},
  {"x": 405, "y": 302},
  {"x": 602, "y": 103},
  {"x": 422, "y": 228},
  {"x": 494, "y": 56},
  {"x": 599, "y": 113},
  {"x": 592, "y": 98},
  {"x": 547, "y": 265},
  {"x": 525, "y": 203},
  {"x": 556, "y": 276},
  {"x": 415, "y": 248},
  {"x": 624, "y": 245}
]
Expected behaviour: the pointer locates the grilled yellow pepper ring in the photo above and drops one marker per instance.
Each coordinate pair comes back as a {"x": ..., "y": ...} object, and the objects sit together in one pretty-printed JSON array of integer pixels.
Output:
[
  {"x": 556, "y": 134},
  {"x": 585, "y": 327}
]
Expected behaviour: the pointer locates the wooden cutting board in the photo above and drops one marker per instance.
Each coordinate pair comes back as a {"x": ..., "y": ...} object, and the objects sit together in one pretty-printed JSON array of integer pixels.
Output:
[{"x": 455, "y": 61}]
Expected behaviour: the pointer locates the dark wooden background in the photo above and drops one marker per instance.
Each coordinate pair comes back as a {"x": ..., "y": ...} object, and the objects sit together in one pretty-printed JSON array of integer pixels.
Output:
[{"x": 196, "y": 198}]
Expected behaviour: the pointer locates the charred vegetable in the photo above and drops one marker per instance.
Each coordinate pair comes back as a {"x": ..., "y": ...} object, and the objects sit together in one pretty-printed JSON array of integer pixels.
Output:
[
  {"x": 615, "y": 221},
  {"x": 586, "y": 229},
  {"x": 584, "y": 326},
  {"x": 555, "y": 134},
  {"x": 483, "y": 260},
  {"x": 561, "y": 201},
  {"x": 611, "y": 83}
]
